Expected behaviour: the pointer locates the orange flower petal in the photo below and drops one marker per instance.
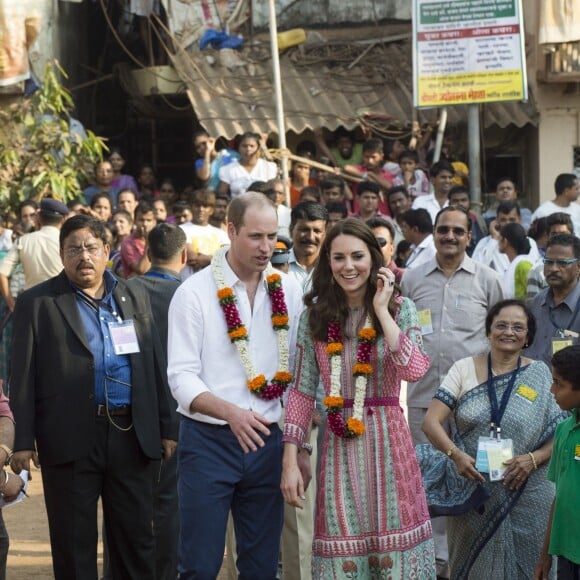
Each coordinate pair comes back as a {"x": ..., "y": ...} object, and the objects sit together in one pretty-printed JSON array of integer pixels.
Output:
[
  {"x": 333, "y": 401},
  {"x": 280, "y": 320},
  {"x": 368, "y": 334},
  {"x": 272, "y": 278},
  {"x": 225, "y": 293},
  {"x": 356, "y": 426},
  {"x": 282, "y": 377},
  {"x": 238, "y": 333},
  {"x": 334, "y": 348},
  {"x": 362, "y": 369},
  {"x": 257, "y": 383}
]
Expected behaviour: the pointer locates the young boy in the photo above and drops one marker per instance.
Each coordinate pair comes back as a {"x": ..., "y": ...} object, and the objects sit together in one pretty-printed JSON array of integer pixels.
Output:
[
  {"x": 563, "y": 533},
  {"x": 372, "y": 170},
  {"x": 413, "y": 178},
  {"x": 203, "y": 239},
  {"x": 442, "y": 174},
  {"x": 134, "y": 257}
]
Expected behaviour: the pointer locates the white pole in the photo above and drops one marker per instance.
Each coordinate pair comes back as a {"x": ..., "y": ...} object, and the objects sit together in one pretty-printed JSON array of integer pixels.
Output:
[
  {"x": 474, "y": 157},
  {"x": 278, "y": 94},
  {"x": 440, "y": 134}
]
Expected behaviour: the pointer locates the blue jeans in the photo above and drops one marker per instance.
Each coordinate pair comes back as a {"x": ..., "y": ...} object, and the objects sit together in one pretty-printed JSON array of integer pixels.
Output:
[{"x": 214, "y": 476}]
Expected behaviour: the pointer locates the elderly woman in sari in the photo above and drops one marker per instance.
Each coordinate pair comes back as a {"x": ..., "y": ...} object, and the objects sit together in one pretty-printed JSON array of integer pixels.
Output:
[{"x": 494, "y": 398}]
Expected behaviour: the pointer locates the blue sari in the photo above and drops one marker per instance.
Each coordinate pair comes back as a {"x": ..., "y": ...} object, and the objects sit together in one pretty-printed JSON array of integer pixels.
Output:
[{"x": 503, "y": 539}]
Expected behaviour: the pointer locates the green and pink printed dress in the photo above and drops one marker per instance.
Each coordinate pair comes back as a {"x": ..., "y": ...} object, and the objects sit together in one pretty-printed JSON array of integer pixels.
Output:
[{"x": 371, "y": 518}]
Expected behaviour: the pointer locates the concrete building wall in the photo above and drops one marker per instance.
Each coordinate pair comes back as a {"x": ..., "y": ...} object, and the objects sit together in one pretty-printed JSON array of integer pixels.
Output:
[{"x": 559, "y": 107}]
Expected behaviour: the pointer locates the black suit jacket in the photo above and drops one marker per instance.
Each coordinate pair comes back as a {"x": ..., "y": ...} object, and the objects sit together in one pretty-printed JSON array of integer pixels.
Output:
[{"x": 52, "y": 374}]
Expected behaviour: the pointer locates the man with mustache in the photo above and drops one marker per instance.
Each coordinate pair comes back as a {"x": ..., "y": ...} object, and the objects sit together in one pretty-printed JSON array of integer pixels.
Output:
[
  {"x": 308, "y": 222},
  {"x": 452, "y": 294},
  {"x": 89, "y": 396},
  {"x": 557, "y": 308}
]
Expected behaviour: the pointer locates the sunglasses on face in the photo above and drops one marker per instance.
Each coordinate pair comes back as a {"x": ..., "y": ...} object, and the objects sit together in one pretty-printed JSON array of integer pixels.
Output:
[
  {"x": 382, "y": 242},
  {"x": 444, "y": 230}
]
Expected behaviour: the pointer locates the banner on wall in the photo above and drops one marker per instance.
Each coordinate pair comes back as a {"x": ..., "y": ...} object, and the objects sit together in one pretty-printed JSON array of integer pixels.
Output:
[
  {"x": 468, "y": 51},
  {"x": 19, "y": 27}
]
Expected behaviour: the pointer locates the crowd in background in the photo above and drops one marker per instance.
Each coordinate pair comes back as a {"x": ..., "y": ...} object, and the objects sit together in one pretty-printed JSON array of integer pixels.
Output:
[{"x": 472, "y": 302}]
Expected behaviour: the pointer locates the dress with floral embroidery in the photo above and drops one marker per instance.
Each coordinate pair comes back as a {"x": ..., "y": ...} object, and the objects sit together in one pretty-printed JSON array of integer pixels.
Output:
[{"x": 371, "y": 516}]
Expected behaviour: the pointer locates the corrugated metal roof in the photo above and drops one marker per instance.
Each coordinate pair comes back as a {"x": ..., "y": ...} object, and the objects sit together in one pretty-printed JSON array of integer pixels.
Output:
[{"x": 323, "y": 87}]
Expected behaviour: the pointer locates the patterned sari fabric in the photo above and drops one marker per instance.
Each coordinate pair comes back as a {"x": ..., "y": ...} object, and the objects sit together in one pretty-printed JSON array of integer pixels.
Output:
[
  {"x": 504, "y": 541},
  {"x": 371, "y": 515}
]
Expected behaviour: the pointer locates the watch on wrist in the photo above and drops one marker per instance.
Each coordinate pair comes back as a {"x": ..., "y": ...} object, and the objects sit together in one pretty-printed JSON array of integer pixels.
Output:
[{"x": 307, "y": 447}]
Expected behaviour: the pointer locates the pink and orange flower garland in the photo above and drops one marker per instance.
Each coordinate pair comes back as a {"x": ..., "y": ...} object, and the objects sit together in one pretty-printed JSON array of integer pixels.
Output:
[
  {"x": 238, "y": 333},
  {"x": 362, "y": 371}
]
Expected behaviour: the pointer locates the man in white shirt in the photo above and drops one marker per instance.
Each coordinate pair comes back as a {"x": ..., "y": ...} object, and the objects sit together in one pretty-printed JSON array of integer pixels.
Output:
[
  {"x": 442, "y": 174},
  {"x": 567, "y": 188},
  {"x": 230, "y": 443},
  {"x": 507, "y": 190},
  {"x": 487, "y": 250},
  {"x": 418, "y": 231},
  {"x": 277, "y": 194},
  {"x": 203, "y": 239},
  {"x": 38, "y": 252}
]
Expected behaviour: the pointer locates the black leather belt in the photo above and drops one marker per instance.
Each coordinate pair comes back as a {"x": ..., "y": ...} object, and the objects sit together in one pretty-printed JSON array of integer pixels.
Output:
[{"x": 103, "y": 411}]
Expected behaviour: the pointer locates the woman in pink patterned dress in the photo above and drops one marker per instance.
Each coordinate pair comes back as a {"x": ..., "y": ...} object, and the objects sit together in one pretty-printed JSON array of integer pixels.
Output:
[{"x": 361, "y": 338}]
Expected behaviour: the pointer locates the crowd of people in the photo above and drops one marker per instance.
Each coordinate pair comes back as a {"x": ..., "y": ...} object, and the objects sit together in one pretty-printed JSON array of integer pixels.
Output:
[{"x": 222, "y": 367}]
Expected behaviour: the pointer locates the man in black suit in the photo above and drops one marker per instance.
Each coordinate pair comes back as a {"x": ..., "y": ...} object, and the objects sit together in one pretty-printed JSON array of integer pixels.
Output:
[
  {"x": 88, "y": 392},
  {"x": 166, "y": 248}
]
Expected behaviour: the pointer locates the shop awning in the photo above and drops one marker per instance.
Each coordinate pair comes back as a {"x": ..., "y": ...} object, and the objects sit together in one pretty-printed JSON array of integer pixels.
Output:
[{"x": 322, "y": 87}]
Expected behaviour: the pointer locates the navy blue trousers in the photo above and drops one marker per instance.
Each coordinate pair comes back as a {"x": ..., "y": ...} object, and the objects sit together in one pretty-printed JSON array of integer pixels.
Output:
[{"x": 216, "y": 476}]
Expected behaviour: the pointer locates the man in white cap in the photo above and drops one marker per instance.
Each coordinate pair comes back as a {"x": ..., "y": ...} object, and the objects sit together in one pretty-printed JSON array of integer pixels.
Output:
[{"x": 38, "y": 252}]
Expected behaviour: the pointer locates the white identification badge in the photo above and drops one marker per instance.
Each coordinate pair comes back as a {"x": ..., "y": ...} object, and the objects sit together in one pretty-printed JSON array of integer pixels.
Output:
[
  {"x": 124, "y": 337},
  {"x": 425, "y": 322},
  {"x": 496, "y": 457},
  {"x": 483, "y": 444}
]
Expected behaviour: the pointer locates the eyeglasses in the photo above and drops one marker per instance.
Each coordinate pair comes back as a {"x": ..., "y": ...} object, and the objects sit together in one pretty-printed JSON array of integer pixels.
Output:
[
  {"x": 444, "y": 230},
  {"x": 77, "y": 251},
  {"x": 382, "y": 242},
  {"x": 515, "y": 328},
  {"x": 560, "y": 263}
]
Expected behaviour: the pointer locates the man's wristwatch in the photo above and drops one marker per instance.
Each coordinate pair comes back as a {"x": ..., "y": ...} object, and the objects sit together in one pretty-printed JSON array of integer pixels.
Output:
[{"x": 307, "y": 447}]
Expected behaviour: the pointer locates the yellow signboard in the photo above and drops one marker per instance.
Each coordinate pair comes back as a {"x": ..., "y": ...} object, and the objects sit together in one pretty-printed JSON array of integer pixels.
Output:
[{"x": 469, "y": 51}]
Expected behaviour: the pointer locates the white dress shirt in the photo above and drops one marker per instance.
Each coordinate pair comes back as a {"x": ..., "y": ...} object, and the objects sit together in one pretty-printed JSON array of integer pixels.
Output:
[
  {"x": 239, "y": 178},
  {"x": 206, "y": 240},
  {"x": 430, "y": 203},
  {"x": 487, "y": 252},
  {"x": 422, "y": 253},
  {"x": 201, "y": 357}
]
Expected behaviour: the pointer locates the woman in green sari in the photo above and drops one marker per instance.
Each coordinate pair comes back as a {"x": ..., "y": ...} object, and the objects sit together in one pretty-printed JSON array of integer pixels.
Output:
[{"x": 499, "y": 393}]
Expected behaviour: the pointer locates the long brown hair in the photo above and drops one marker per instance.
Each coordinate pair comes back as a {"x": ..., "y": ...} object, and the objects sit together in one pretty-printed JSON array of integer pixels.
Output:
[{"x": 327, "y": 302}]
